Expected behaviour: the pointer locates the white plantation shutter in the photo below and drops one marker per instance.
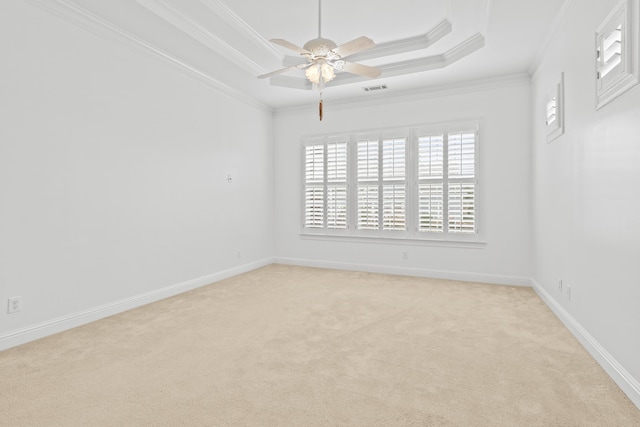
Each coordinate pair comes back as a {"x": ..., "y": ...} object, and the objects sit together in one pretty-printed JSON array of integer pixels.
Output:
[
  {"x": 431, "y": 208},
  {"x": 462, "y": 158},
  {"x": 314, "y": 186},
  {"x": 326, "y": 185},
  {"x": 610, "y": 53},
  {"x": 393, "y": 207},
  {"x": 393, "y": 186},
  {"x": 462, "y": 217},
  {"x": 337, "y": 185},
  {"x": 461, "y": 182},
  {"x": 430, "y": 183},
  {"x": 368, "y": 207},
  {"x": 314, "y": 206},
  {"x": 368, "y": 192}
]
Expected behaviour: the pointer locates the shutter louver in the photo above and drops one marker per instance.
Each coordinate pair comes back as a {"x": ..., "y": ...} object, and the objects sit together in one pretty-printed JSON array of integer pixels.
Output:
[
  {"x": 462, "y": 159},
  {"x": 461, "y": 187},
  {"x": 393, "y": 207},
  {"x": 394, "y": 187},
  {"x": 368, "y": 207},
  {"x": 431, "y": 208},
  {"x": 368, "y": 202},
  {"x": 314, "y": 188},
  {"x": 462, "y": 218},
  {"x": 430, "y": 184},
  {"x": 552, "y": 106},
  {"x": 337, "y": 185},
  {"x": 314, "y": 206},
  {"x": 610, "y": 54}
]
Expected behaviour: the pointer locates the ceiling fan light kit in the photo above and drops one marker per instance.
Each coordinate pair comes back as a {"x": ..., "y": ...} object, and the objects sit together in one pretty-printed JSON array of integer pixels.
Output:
[{"x": 324, "y": 57}]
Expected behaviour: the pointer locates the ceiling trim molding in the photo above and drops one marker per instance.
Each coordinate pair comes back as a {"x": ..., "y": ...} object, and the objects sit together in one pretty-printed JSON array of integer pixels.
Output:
[
  {"x": 429, "y": 92},
  {"x": 226, "y": 14},
  {"x": 405, "y": 45},
  {"x": 410, "y": 66},
  {"x": 191, "y": 27},
  {"x": 87, "y": 20},
  {"x": 567, "y": 9},
  {"x": 408, "y": 44}
]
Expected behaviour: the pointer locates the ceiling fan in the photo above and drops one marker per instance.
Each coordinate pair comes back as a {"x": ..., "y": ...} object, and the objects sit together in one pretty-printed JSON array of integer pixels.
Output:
[{"x": 324, "y": 56}]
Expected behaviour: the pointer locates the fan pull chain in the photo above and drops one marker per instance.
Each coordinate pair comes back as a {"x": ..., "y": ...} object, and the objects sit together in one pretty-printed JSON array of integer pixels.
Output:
[{"x": 320, "y": 107}]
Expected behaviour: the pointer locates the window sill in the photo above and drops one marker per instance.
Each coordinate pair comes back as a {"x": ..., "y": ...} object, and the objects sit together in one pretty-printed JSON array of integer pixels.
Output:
[{"x": 415, "y": 241}]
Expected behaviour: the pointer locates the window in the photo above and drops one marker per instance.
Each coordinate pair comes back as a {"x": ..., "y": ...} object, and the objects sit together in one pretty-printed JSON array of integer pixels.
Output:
[
  {"x": 616, "y": 53},
  {"x": 554, "y": 110},
  {"x": 416, "y": 183}
]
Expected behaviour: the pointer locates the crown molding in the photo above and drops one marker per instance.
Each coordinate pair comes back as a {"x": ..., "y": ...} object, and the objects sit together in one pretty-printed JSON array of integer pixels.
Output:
[
  {"x": 429, "y": 92},
  {"x": 191, "y": 27},
  {"x": 71, "y": 12},
  {"x": 405, "y": 45},
  {"x": 408, "y": 44},
  {"x": 410, "y": 66},
  {"x": 568, "y": 7},
  {"x": 227, "y": 15}
]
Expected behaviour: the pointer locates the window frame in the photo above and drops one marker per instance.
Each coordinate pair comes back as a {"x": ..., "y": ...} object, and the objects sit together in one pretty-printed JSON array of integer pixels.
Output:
[
  {"x": 411, "y": 180},
  {"x": 624, "y": 75}
]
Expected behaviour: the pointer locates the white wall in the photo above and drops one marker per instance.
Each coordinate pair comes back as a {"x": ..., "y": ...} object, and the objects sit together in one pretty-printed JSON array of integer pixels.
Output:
[
  {"x": 113, "y": 171},
  {"x": 586, "y": 201},
  {"x": 502, "y": 105}
]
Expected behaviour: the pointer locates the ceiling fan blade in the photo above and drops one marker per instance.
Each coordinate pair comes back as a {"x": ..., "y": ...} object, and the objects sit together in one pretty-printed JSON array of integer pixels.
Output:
[
  {"x": 290, "y": 45},
  {"x": 284, "y": 70},
  {"x": 354, "y": 46},
  {"x": 361, "y": 70},
  {"x": 273, "y": 73}
]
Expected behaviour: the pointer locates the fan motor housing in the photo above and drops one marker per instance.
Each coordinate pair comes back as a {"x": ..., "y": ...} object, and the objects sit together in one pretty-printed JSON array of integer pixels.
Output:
[{"x": 320, "y": 46}]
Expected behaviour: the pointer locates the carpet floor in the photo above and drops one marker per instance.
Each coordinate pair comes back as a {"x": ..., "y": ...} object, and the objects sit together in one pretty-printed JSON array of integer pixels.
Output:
[{"x": 296, "y": 346}]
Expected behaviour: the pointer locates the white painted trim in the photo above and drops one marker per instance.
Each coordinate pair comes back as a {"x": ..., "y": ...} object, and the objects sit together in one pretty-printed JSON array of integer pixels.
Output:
[
  {"x": 464, "y": 276},
  {"x": 63, "y": 323},
  {"x": 408, "y": 44},
  {"x": 86, "y": 20},
  {"x": 629, "y": 385},
  {"x": 191, "y": 27},
  {"x": 559, "y": 22},
  {"x": 428, "y": 92},
  {"x": 226, "y": 14},
  {"x": 400, "y": 68}
]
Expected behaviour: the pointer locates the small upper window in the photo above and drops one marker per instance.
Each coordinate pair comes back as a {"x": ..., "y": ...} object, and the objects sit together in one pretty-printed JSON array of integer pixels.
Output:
[
  {"x": 554, "y": 110},
  {"x": 616, "y": 53}
]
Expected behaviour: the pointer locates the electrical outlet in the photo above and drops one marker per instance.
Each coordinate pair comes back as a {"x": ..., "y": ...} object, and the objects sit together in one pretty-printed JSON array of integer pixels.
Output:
[
  {"x": 560, "y": 285},
  {"x": 405, "y": 255},
  {"x": 15, "y": 305},
  {"x": 239, "y": 254}
]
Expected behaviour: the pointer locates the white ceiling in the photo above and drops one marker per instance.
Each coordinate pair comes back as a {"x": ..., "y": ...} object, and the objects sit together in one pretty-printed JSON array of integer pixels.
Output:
[{"x": 227, "y": 40}]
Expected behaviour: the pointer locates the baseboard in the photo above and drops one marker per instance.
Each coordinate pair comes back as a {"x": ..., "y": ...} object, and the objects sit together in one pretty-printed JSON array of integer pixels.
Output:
[
  {"x": 629, "y": 385},
  {"x": 50, "y": 327},
  {"x": 410, "y": 271}
]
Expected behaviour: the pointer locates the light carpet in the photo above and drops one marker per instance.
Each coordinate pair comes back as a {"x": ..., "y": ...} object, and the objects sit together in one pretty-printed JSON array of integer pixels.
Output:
[{"x": 296, "y": 346}]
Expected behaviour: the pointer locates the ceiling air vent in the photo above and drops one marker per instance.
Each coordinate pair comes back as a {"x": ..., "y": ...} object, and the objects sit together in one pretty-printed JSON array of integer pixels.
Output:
[{"x": 374, "y": 88}]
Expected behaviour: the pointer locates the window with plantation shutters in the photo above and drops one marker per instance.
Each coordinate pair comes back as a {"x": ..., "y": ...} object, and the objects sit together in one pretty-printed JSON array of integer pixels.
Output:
[
  {"x": 393, "y": 184},
  {"x": 314, "y": 186},
  {"x": 368, "y": 193},
  {"x": 617, "y": 62},
  {"x": 461, "y": 179},
  {"x": 418, "y": 184},
  {"x": 431, "y": 183},
  {"x": 326, "y": 185},
  {"x": 337, "y": 185},
  {"x": 381, "y": 186}
]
